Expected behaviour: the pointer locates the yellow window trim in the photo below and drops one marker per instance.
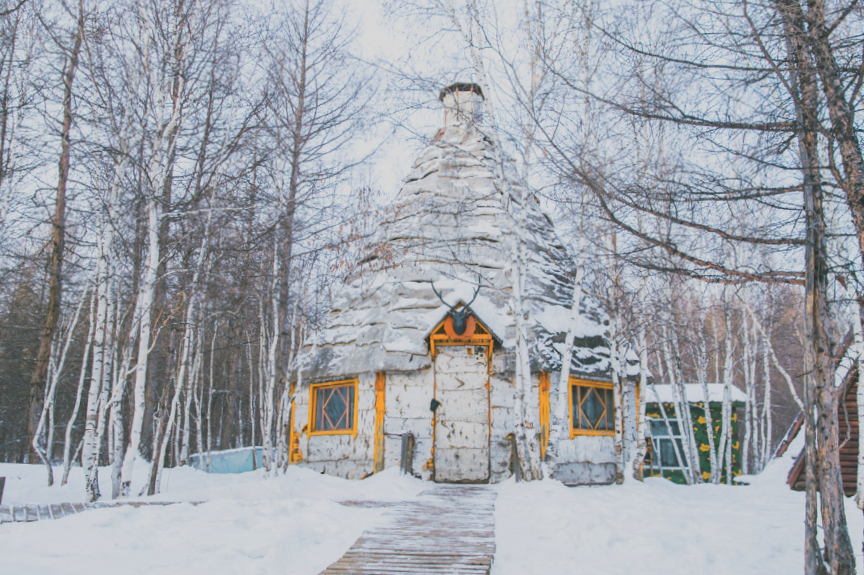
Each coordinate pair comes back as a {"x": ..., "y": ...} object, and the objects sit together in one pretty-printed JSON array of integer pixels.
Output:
[
  {"x": 313, "y": 388},
  {"x": 586, "y": 383}
]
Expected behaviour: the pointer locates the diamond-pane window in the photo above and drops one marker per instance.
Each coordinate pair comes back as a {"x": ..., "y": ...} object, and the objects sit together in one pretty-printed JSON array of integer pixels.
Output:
[
  {"x": 332, "y": 407},
  {"x": 592, "y": 408}
]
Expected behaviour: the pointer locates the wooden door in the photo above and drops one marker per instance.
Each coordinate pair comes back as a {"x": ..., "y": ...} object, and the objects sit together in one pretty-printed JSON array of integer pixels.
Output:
[{"x": 462, "y": 418}]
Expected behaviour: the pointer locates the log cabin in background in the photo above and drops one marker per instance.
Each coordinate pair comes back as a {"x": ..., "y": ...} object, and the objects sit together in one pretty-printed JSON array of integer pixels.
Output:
[
  {"x": 846, "y": 378},
  {"x": 421, "y": 338}
]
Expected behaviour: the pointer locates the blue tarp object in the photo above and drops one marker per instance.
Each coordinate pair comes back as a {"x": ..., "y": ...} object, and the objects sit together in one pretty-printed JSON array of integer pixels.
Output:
[{"x": 230, "y": 461}]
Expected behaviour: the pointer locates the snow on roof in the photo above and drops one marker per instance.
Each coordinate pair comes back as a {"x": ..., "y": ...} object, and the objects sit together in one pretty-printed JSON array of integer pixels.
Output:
[
  {"x": 693, "y": 392},
  {"x": 448, "y": 226}
]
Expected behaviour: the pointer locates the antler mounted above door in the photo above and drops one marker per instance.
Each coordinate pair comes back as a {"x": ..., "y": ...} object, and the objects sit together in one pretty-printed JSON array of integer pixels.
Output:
[{"x": 460, "y": 317}]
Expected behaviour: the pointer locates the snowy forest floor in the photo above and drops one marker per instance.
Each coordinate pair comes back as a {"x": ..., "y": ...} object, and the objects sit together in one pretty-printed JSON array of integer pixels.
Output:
[{"x": 294, "y": 525}]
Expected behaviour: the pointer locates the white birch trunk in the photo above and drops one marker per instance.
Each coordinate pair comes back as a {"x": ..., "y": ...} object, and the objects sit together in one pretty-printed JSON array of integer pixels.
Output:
[
  {"x": 528, "y": 449},
  {"x": 105, "y": 392},
  {"x": 774, "y": 360},
  {"x": 199, "y": 403},
  {"x": 687, "y": 476},
  {"x": 119, "y": 372},
  {"x": 766, "y": 405},
  {"x": 726, "y": 429},
  {"x": 67, "y": 443},
  {"x": 617, "y": 392},
  {"x": 748, "y": 392},
  {"x": 263, "y": 375},
  {"x": 169, "y": 429},
  {"x": 54, "y": 375},
  {"x": 682, "y": 407},
  {"x": 702, "y": 373},
  {"x": 252, "y": 416},
  {"x": 161, "y": 82},
  {"x": 142, "y": 319},
  {"x": 557, "y": 430},
  {"x": 210, "y": 396},
  {"x": 268, "y": 399},
  {"x": 89, "y": 450},
  {"x": 641, "y": 423}
]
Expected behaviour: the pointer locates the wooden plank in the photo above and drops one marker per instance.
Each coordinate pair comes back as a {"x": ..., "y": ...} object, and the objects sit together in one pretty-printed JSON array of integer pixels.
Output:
[
  {"x": 68, "y": 509},
  {"x": 32, "y": 513},
  {"x": 5, "y": 514},
  {"x": 449, "y": 529}
]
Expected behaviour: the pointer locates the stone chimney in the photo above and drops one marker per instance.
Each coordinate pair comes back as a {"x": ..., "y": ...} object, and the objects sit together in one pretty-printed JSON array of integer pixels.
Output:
[{"x": 463, "y": 104}]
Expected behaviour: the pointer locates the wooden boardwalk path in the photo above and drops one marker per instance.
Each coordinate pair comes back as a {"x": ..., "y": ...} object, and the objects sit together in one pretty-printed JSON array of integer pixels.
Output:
[
  {"x": 32, "y": 512},
  {"x": 448, "y": 529}
]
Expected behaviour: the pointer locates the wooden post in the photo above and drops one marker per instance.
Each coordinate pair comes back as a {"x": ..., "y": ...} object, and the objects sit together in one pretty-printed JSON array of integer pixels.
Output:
[
  {"x": 515, "y": 468},
  {"x": 544, "y": 413},
  {"x": 406, "y": 460},
  {"x": 380, "y": 410},
  {"x": 2, "y": 485}
]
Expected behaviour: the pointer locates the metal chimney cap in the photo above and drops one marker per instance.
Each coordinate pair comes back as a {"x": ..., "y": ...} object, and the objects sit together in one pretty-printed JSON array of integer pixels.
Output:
[{"x": 460, "y": 87}]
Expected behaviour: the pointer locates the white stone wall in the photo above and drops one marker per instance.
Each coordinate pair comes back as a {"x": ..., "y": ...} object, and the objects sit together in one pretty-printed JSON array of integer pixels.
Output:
[
  {"x": 502, "y": 398},
  {"x": 345, "y": 455},
  {"x": 586, "y": 459},
  {"x": 583, "y": 460},
  {"x": 409, "y": 395}
]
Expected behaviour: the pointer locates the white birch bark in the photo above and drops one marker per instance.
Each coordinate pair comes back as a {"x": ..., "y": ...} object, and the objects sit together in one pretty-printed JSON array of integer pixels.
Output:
[
  {"x": 702, "y": 374},
  {"x": 263, "y": 376},
  {"x": 252, "y": 416},
  {"x": 210, "y": 395},
  {"x": 617, "y": 392},
  {"x": 528, "y": 449},
  {"x": 282, "y": 447},
  {"x": 748, "y": 370},
  {"x": 106, "y": 392},
  {"x": 641, "y": 423},
  {"x": 54, "y": 375},
  {"x": 89, "y": 448},
  {"x": 175, "y": 402},
  {"x": 191, "y": 398},
  {"x": 70, "y": 424},
  {"x": 273, "y": 341},
  {"x": 766, "y": 403},
  {"x": 557, "y": 430},
  {"x": 682, "y": 408},
  {"x": 774, "y": 360},
  {"x": 687, "y": 476},
  {"x": 726, "y": 430},
  {"x": 199, "y": 401},
  {"x": 688, "y": 429},
  {"x": 160, "y": 150},
  {"x": 118, "y": 374},
  {"x": 142, "y": 320}
]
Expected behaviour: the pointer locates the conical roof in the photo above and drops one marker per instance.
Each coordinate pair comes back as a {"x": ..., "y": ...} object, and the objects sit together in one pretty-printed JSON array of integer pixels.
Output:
[{"x": 448, "y": 226}]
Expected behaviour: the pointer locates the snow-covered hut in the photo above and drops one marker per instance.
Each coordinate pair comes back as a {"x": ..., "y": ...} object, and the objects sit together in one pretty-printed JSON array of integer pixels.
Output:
[
  {"x": 661, "y": 460},
  {"x": 395, "y": 358}
]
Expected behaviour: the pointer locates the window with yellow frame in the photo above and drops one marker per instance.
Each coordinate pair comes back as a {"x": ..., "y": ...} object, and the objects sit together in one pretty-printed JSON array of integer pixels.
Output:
[
  {"x": 592, "y": 408},
  {"x": 333, "y": 407}
]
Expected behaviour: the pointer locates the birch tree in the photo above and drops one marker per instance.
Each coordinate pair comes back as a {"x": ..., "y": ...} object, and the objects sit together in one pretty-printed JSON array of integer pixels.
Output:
[{"x": 72, "y": 53}]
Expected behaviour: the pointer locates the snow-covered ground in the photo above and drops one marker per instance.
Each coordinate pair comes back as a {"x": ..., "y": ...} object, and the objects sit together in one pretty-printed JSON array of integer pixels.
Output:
[
  {"x": 250, "y": 524},
  {"x": 293, "y": 525},
  {"x": 656, "y": 527}
]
